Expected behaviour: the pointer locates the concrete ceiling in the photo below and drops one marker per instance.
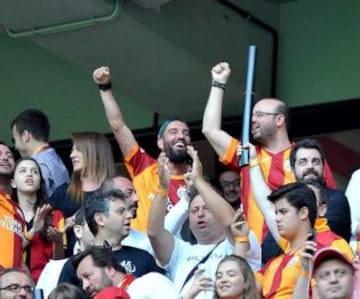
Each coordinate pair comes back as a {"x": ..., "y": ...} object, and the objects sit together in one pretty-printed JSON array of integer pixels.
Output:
[{"x": 159, "y": 58}]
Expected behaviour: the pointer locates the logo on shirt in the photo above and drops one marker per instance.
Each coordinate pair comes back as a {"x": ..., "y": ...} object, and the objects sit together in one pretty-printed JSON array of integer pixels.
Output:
[
  {"x": 12, "y": 224},
  {"x": 129, "y": 266}
]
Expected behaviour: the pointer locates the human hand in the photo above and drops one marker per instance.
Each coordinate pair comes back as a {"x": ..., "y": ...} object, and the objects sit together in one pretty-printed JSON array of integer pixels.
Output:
[
  {"x": 250, "y": 146},
  {"x": 163, "y": 171},
  {"x": 202, "y": 282},
  {"x": 196, "y": 170},
  {"x": 39, "y": 218},
  {"x": 307, "y": 253},
  {"x": 239, "y": 225},
  {"x": 102, "y": 75},
  {"x": 221, "y": 72}
]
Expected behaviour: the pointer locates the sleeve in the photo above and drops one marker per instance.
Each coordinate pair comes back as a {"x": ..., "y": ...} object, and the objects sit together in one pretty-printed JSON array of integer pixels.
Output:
[
  {"x": 68, "y": 273},
  {"x": 177, "y": 216},
  {"x": 230, "y": 158}
]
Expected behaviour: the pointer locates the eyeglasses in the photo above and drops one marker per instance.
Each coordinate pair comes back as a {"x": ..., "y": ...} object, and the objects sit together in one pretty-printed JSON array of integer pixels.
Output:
[
  {"x": 16, "y": 288},
  {"x": 259, "y": 114},
  {"x": 226, "y": 184}
]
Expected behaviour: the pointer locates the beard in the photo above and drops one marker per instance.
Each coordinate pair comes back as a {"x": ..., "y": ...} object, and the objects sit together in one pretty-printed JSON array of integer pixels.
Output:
[
  {"x": 317, "y": 175},
  {"x": 176, "y": 156}
]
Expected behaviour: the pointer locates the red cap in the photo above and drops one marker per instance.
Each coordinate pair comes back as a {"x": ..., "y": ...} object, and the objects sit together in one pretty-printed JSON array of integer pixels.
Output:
[
  {"x": 331, "y": 253},
  {"x": 111, "y": 293}
]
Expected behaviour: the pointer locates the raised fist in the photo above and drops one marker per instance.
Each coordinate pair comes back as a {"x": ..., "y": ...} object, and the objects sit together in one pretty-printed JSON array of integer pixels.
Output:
[
  {"x": 221, "y": 72},
  {"x": 102, "y": 75}
]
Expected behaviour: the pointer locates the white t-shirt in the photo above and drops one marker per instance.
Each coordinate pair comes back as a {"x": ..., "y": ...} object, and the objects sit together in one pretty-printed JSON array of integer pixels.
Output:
[{"x": 186, "y": 256}]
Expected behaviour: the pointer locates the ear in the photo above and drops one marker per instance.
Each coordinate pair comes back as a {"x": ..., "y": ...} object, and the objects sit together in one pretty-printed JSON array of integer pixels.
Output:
[
  {"x": 160, "y": 143},
  {"x": 78, "y": 231},
  {"x": 99, "y": 219},
  {"x": 280, "y": 120},
  {"x": 25, "y": 136},
  {"x": 304, "y": 213},
  {"x": 322, "y": 210},
  {"x": 12, "y": 183},
  {"x": 110, "y": 272}
]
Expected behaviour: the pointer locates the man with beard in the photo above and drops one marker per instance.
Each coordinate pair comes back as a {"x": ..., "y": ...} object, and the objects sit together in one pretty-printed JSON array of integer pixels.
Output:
[
  {"x": 269, "y": 129},
  {"x": 12, "y": 222},
  {"x": 103, "y": 277},
  {"x": 173, "y": 137},
  {"x": 307, "y": 160}
]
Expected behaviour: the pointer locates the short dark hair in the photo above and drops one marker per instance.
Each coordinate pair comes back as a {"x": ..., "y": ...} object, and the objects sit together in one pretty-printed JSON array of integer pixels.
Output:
[
  {"x": 308, "y": 144},
  {"x": 98, "y": 202},
  {"x": 34, "y": 121},
  {"x": 80, "y": 218},
  {"x": 298, "y": 195},
  {"x": 101, "y": 256}
]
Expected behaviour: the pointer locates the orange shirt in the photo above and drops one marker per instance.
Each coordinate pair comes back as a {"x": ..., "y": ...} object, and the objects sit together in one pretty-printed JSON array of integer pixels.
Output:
[
  {"x": 143, "y": 171},
  {"x": 278, "y": 277},
  {"x": 12, "y": 225},
  {"x": 276, "y": 171}
]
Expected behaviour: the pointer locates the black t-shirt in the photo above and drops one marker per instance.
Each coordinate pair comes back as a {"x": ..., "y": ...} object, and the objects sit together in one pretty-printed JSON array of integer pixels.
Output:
[
  {"x": 62, "y": 200},
  {"x": 136, "y": 261}
]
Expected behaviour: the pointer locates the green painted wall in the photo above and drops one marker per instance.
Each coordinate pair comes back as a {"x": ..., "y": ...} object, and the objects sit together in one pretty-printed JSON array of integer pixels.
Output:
[
  {"x": 32, "y": 77},
  {"x": 319, "y": 58}
]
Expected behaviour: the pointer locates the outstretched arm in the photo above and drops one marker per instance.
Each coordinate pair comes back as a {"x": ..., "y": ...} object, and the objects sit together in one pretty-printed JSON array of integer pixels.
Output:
[
  {"x": 220, "y": 208},
  {"x": 211, "y": 126},
  {"x": 124, "y": 136},
  {"x": 161, "y": 240},
  {"x": 261, "y": 191}
]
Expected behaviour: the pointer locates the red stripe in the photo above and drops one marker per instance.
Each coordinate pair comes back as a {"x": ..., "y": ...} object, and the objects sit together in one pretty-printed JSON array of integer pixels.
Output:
[
  {"x": 276, "y": 174},
  {"x": 245, "y": 186},
  {"x": 140, "y": 161},
  {"x": 278, "y": 276}
]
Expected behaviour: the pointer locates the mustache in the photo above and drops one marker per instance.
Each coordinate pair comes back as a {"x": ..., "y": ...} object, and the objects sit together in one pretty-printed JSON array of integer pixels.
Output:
[{"x": 311, "y": 171}]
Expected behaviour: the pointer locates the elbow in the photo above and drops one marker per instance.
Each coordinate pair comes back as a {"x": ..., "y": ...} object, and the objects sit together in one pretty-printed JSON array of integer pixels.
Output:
[{"x": 206, "y": 131}]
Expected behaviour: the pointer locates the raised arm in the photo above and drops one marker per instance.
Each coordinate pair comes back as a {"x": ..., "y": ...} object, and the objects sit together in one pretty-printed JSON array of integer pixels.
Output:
[
  {"x": 124, "y": 136},
  {"x": 161, "y": 240},
  {"x": 211, "y": 126},
  {"x": 261, "y": 191},
  {"x": 220, "y": 208}
]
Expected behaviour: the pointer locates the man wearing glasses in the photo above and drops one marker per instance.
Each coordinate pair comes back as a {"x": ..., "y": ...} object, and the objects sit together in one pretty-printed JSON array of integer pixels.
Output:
[
  {"x": 269, "y": 129},
  {"x": 15, "y": 284}
]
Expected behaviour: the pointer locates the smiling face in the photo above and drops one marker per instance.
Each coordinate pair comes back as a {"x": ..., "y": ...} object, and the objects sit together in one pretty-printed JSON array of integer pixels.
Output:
[
  {"x": 27, "y": 177},
  {"x": 7, "y": 162},
  {"x": 230, "y": 185},
  {"x": 334, "y": 280},
  {"x": 264, "y": 120},
  {"x": 175, "y": 140},
  {"x": 229, "y": 280},
  {"x": 77, "y": 159},
  {"x": 308, "y": 165}
]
